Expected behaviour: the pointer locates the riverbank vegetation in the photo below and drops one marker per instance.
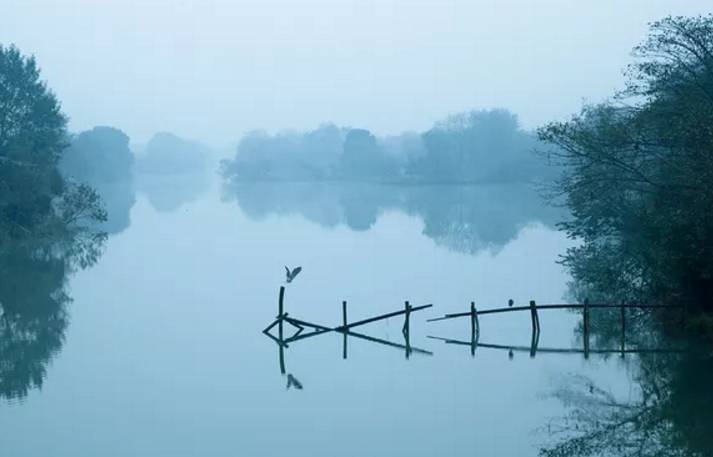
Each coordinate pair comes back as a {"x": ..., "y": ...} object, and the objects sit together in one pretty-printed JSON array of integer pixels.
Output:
[
  {"x": 35, "y": 200},
  {"x": 638, "y": 171}
]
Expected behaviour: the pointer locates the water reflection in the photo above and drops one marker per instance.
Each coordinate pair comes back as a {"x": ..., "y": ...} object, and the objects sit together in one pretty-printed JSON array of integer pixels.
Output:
[
  {"x": 119, "y": 197},
  {"x": 284, "y": 322},
  {"x": 169, "y": 192},
  {"x": 462, "y": 218},
  {"x": 669, "y": 412},
  {"x": 165, "y": 193},
  {"x": 669, "y": 415},
  {"x": 33, "y": 305}
]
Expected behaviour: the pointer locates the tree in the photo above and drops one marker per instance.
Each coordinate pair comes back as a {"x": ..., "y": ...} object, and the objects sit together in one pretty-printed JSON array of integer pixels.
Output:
[
  {"x": 638, "y": 171},
  {"x": 362, "y": 158},
  {"x": 98, "y": 156},
  {"x": 33, "y": 195},
  {"x": 485, "y": 145},
  {"x": 101, "y": 158},
  {"x": 168, "y": 154}
]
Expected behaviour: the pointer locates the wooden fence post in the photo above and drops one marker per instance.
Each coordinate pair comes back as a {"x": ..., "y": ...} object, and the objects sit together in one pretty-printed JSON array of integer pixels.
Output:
[
  {"x": 407, "y": 328},
  {"x": 535, "y": 318},
  {"x": 282, "y": 359},
  {"x": 474, "y": 328},
  {"x": 280, "y": 313},
  {"x": 344, "y": 323},
  {"x": 344, "y": 314},
  {"x": 533, "y": 344},
  {"x": 472, "y": 320},
  {"x": 280, "y": 307},
  {"x": 407, "y": 314}
]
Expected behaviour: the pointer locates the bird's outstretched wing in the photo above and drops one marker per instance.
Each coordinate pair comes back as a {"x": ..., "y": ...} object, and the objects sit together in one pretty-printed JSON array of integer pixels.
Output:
[
  {"x": 287, "y": 271},
  {"x": 296, "y": 271}
]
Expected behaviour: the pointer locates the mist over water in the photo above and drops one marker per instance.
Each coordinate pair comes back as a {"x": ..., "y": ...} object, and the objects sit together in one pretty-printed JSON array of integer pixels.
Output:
[
  {"x": 185, "y": 369},
  {"x": 349, "y": 228}
]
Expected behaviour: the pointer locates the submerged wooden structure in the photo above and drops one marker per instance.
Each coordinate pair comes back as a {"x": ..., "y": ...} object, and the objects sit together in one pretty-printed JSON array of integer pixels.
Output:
[
  {"x": 306, "y": 329},
  {"x": 533, "y": 307}
]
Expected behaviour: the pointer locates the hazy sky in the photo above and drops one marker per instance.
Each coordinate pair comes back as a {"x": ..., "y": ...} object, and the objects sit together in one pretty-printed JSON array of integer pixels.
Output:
[{"x": 213, "y": 69}]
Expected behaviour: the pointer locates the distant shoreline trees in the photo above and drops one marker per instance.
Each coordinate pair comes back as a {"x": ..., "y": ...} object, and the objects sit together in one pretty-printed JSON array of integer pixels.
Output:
[
  {"x": 166, "y": 153},
  {"x": 477, "y": 146}
]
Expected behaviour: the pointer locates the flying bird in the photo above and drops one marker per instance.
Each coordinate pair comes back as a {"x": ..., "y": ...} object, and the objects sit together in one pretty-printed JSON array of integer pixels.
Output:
[
  {"x": 292, "y": 381},
  {"x": 292, "y": 274}
]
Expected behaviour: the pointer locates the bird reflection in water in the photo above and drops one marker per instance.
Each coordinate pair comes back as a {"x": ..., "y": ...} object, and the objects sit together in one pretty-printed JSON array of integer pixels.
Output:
[{"x": 293, "y": 382}]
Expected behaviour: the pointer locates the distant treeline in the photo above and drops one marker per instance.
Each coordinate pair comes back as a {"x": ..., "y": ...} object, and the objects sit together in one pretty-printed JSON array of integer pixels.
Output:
[
  {"x": 57, "y": 184},
  {"x": 102, "y": 158},
  {"x": 102, "y": 155},
  {"x": 476, "y": 146}
]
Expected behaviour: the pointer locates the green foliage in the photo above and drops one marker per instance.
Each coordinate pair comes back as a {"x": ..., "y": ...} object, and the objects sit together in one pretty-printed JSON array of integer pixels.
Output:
[
  {"x": 101, "y": 158},
  {"x": 638, "y": 171},
  {"x": 98, "y": 156},
  {"x": 313, "y": 155},
  {"x": 166, "y": 154},
  {"x": 478, "y": 146},
  {"x": 34, "y": 198},
  {"x": 362, "y": 158}
]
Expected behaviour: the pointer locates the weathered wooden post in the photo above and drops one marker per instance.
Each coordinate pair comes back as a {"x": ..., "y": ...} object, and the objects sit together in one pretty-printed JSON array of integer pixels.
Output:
[
  {"x": 535, "y": 318},
  {"x": 280, "y": 312},
  {"x": 282, "y": 359},
  {"x": 344, "y": 323},
  {"x": 474, "y": 328},
  {"x": 344, "y": 313},
  {"x": 407, "y": 314},
  {"x": 407, "y": 328},
  {"x": 280, "y": 318},
  {"x": 533, "y": 344},
  {"x": 585, "y": 325},
  {"x": 280, "y": 307},
  {"x": 407, "y": 343}
]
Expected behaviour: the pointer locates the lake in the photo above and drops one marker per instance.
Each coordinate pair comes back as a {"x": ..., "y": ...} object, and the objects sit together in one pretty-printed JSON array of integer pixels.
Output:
[{"x": 160, "y": 351}]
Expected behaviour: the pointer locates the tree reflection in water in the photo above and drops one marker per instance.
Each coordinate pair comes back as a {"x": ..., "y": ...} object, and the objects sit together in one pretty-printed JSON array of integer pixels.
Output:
[
  {"x": 33, "y": 304},
  {"x": 463, "y": 218},
  {"x": 670, "y": 412}
]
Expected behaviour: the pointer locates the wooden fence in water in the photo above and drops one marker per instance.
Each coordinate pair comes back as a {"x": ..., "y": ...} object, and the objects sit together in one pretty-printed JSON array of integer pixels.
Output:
[
  {"x": 314, "y": 329},
  {"x": 533, "y": 307},
  {"x": 306, "y": 329}
]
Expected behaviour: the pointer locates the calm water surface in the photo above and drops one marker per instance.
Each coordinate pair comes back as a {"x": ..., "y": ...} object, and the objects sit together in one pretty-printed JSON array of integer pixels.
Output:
[{"x": 163, "y": 353}]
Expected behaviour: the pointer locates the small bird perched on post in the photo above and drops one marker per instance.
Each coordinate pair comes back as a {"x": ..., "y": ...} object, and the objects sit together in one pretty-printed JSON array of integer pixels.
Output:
[{"x": 291, "y": 274}]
